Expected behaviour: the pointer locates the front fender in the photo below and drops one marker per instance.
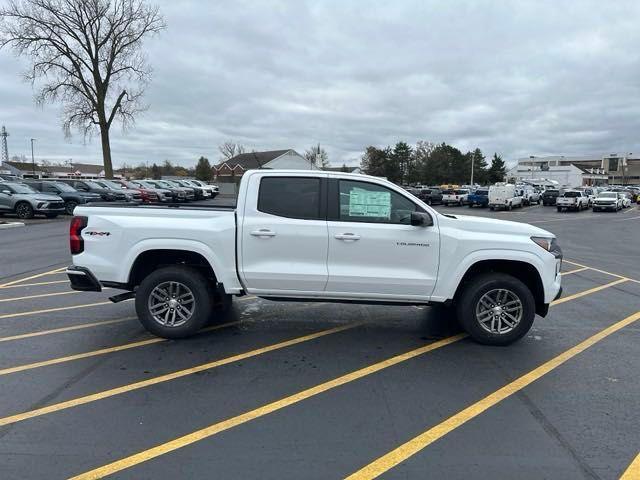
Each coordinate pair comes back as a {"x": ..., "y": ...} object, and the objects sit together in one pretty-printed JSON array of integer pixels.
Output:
[{"x": 447, "y": 286}]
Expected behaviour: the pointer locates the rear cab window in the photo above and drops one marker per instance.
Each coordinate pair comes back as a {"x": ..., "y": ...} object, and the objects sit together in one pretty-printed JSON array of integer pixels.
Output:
[{"x": 291, "y": 197}]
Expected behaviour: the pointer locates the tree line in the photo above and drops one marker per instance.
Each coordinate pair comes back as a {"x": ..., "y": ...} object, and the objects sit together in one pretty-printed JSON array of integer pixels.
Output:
[{"x": 429, "y": 164}]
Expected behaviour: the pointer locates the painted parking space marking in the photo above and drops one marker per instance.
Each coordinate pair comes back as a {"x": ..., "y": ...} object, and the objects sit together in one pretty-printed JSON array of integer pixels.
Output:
[
  {"x": 232, "y": 422},
  {"x": 71, "y": 328},
  {"x": 577, "y": 270},
  {"x": 588, "y": 292},
  {"x": 633, "y": 471},
  {"x": 170, "y": 376},
  {"x": 56, "y": 309},
  {"x": 36, "y": 284},
  {"x": 601, "y": 271},
  {"x": 423, "y": 440},
  {"x": 40, "y": 295},
  {"x": 102, "y": 351},
  {"x": 20, "y": 280}
]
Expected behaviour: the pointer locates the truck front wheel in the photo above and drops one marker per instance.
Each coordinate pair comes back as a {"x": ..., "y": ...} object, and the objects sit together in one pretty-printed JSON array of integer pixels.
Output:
[
  {"x": 496, "y": 309},
  {"x": 174, "y": 302}
]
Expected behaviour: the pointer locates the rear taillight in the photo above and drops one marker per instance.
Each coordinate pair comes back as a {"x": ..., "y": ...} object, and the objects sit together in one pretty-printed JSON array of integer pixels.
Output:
[{"x": 76, "y": 243}]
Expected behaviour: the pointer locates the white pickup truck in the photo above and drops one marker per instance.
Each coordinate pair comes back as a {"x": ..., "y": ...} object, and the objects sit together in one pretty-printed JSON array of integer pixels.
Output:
[
  {"x": 315, "y": 236},
  {"x": 572, "y": 200}
]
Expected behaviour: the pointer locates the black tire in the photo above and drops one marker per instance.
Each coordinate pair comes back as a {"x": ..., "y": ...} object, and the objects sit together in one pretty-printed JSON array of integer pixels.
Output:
[
  {"x": 24, "y": 210},
  {"x": 492, "y": 208},
  {"x": 203, "y": 301},
  {"x": 468, "y": 300},
  {"x": 51, "y": 215},
  {"x": 69, "y": 206},
  {"x": 559, "y": 209}
]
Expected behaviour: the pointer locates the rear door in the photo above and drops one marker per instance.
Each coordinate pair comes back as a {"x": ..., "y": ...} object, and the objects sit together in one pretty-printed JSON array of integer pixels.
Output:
[
  {"x": 283, "y": 237},
  {"x": 374, "y": 251}
]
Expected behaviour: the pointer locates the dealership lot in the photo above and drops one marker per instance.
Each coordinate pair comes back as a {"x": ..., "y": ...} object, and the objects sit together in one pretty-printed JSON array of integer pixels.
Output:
[{"x": 314, "y": 390}]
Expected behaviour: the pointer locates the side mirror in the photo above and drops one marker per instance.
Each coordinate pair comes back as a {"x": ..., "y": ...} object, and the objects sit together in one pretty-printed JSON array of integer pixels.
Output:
[{"x": 421, "y": 219}]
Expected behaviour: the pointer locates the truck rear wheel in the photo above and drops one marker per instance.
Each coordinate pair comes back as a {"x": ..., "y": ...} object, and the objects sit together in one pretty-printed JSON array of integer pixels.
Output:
[
  {"x": 496, "y": 309},
  {"x": 174, "y": 302}
]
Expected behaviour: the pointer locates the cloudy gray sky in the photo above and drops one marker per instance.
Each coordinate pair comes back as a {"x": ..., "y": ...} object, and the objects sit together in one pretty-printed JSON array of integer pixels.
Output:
[{"x": 518, "y": 77}]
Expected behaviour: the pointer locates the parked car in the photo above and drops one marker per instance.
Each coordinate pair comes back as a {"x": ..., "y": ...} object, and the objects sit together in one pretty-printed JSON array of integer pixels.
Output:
[
  {"x": 141, "y": 194},
  {"x": 625, "y": 198},
  {"x": 70, "y": 195},
  {"x": 107, "y": 194},
  {"x": 430, "y": 196},
  {"x": 607, "y": 201},
  {"x": 131, "y": 195},
  {"x": 180, "y": 262},
  {"x": 550, "y": 195},
  {"x": 590, "y": 193},
  {"x": 187, "y": 193},
  {"x": 200, "y": 192},
  {"x": 480, "y": 198},
  {"x": 26, "y": 202},
  {"x": 504, "y": 195},
  {"x": 572, "y": 200},
  {"x": 213, "y": 189},
  {"x": 458, "y": 197},
  {"x": 164, "y": 194}
]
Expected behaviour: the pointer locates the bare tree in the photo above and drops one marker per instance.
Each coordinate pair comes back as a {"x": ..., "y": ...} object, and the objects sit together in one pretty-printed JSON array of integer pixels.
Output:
[
  {"x": 317, "y": 156},
  {"x": 230, "y": 149},
  {"x": 87, "y": 53}
]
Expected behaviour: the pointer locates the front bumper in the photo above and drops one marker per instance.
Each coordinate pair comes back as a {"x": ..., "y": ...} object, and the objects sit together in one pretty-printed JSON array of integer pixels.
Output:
[{"x": 82, "y": 279}]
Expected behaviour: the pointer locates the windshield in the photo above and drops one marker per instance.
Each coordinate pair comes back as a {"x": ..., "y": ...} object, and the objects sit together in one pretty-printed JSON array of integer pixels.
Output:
[
  {"x": 482, "y": 192},
  {"x": 462, "y": 192},
  {"x": 572, "y": 194},
  {"x": 112, "y": 185},
  {"x": 19, "y": 188},
  {"x": 553, "y": 193},
  {"x": 608, "y": 195},
  {"x": 129, "y": 184},
  {"x": 93, "y": 185}
]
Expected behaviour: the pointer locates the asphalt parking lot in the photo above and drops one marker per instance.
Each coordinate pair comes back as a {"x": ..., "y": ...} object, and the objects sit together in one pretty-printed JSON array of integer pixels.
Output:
[{"x": 315, "y": 390}]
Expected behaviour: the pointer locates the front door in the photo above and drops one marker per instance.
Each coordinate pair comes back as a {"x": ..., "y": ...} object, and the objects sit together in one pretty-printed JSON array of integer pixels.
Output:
[
  {"x": 374, "y": 251},
  {"x": 284, "y": 235}
]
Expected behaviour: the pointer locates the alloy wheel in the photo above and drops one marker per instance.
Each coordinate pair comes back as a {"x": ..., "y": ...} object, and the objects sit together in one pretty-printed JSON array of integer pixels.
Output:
[
  {"x": 171, "y": 304},
  {"x": 499, "y": 311}
]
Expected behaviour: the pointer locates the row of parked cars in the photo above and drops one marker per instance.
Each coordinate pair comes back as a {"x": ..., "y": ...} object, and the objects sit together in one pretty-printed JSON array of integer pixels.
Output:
[
  {"x": 52, "y": 197},
  {"x": 508, "y": 196}
]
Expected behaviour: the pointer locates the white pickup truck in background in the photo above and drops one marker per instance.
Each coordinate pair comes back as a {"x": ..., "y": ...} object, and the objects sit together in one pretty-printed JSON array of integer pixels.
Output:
[
  {"x": 316, "y": 236},
  {"x": 504, "y": 195},
  {"x": 572, "y": 200}
]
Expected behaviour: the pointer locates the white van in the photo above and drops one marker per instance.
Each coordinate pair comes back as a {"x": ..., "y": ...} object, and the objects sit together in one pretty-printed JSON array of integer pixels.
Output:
[{"x": 504, "y": 195}]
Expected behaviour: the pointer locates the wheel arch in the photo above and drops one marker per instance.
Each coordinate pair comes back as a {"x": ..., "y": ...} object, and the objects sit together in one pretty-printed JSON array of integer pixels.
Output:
[{"x": 524, "y": 271}]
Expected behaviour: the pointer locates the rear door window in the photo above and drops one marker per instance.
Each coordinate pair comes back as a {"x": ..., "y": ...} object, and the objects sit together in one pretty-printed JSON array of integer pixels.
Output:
[{"x": 291, "y": 197}]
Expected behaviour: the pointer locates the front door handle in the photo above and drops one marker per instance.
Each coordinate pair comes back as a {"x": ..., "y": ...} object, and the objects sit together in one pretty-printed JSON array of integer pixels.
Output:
[
  {"x": 263, "y": 232},
  {"x": 347, "y": 237}
]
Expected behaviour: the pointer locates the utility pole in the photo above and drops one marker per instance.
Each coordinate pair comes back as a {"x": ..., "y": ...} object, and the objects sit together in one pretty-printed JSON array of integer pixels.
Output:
[
  {"x": 33, "y": 162},
  {"x": 5, "y": 150},
  {"x": 472, "y": 160}
]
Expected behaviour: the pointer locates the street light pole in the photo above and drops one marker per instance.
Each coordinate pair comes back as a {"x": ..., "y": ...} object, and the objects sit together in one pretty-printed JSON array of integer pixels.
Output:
[
  {"x": 33, "y": 161},
  {"x": 472, "y": 159}
]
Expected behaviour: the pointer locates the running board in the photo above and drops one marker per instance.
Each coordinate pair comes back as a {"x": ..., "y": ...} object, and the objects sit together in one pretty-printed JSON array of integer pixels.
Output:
[{"x": 122, "y": 297}]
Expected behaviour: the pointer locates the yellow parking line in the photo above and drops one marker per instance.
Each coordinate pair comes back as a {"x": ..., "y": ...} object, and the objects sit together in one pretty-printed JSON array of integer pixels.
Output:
[
  {"x": 575, "y": 271},
  {"x": 418, "y": 443},
  {"x": 64, "y": 329},
  {"x": 36, "y": 284},
  {"x": 102, "y": 351},
  {"x": 633, "y": 472},
  {"x": 588, "y": 292},
  {"x": 167, "y": 377},
  {"x": 57, "y": 309},
  {"x": 50, "y": 272},
  {"x": 80, "y": 327},
  {"x": 601, "y": 271},
  {"x": 40, "y": 295},
  {"x": 261, "y": 411}
]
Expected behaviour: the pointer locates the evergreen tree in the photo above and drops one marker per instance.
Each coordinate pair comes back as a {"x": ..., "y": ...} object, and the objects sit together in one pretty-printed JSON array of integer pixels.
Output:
[
  {"x": 400, "y": 160},
  {"x": 375, "y": 161},
  {"x": 203, "y": 170},
  {"x": 497, "y": 170},
  {"x": 480, "y": 173},
  {"x": 156, "y": 172}
]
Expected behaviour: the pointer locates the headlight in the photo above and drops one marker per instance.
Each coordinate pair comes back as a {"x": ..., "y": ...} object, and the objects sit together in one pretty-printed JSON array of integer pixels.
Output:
[{"x": 549, "y": 244}]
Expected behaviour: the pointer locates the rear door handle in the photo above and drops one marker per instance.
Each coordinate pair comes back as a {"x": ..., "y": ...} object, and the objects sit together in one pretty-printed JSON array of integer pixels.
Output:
[
  {"x": 347, "y": 236},
  {"x": 263, "y": 232}
]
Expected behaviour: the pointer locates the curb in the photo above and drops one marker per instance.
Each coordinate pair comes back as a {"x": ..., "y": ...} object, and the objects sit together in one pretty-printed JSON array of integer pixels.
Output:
[{"x": 10, "y": 225}]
